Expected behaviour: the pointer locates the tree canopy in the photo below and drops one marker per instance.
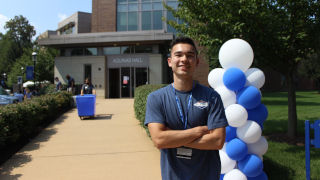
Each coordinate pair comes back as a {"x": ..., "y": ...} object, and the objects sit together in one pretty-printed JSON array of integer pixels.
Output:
[
  {"x": 282, "y": 33},
  {"x": 16, "y": 47}
]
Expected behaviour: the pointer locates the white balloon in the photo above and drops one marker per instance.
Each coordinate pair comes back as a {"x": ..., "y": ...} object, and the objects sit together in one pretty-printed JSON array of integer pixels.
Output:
[
  {"x": 236, "y": 53},
  {"x": 227, "y": 164},
  {"x": 236, "y": 115},
  {"x": 259, "y": 148},
  {"x": 235, "y": 174},
  {"x": 250, "y": 132},
  {"x": 255, "y": 77},
  {"x": 224, "y": 147},
  {"x": 228, "y": 97},
  {"x": 215, "y": 77}
]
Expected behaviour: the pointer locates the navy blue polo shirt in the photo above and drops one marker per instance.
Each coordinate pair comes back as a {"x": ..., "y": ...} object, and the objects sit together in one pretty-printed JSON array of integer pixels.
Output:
[{"x": 206, "y": 110}]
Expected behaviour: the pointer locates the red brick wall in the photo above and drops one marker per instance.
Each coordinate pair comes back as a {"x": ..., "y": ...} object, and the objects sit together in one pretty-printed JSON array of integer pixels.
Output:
[
  {"x": 202, "y": 71},
  {"x": 104, "y": 17}
]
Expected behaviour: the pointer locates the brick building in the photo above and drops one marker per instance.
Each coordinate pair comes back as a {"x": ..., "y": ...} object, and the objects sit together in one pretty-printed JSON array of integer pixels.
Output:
[{"x": 121, "y": 45}]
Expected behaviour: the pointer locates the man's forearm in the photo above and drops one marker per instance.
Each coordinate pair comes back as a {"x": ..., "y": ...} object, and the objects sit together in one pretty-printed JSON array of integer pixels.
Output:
[
  {"x": 167, "y": 138},
  {"x": 211, "y": 141}
]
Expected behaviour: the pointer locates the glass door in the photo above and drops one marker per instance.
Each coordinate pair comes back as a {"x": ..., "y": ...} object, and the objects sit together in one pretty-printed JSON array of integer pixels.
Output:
[
  {"x": 114, "y": 83},
  {"x": 125, "y": 82}
]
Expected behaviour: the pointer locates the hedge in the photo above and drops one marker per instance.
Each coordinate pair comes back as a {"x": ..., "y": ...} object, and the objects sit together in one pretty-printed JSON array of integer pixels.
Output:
[
  {"x": 22, "y": 120},
  {"x": 140, "y": 99}
]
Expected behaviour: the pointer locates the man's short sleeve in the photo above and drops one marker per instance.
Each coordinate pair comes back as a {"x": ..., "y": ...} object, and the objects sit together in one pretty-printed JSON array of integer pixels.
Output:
[
  {"x": 217, "y": 117},
  {"x": 154, "y": 110}
]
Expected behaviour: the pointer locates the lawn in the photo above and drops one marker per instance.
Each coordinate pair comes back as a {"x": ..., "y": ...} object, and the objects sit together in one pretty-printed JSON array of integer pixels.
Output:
[{"x": 287, "y": 161}]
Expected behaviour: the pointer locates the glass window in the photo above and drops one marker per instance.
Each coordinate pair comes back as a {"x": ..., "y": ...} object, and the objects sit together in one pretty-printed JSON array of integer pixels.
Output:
[
  {"x": 122, "y": 8},
  {"x": 121, "y": 1},
  {"x": 87, "y": 71},
  {"x": 157, "y": 21},
  {"x": 146, "y": 7},
  {"x": 91, "y": 51},
  {"x": 173, "y": 4},
  {"x": 146, "y": 20},
  {"x": 157, "y": 6},
  {"x": 133, "y": 21},
  {"x": 125, "y": 50},
  {"x": 77, "y": 52},
  {"x": 133, "y": 7},
  {"x": 130, "y": 1},
  {"x": 170, "y": 17},
  {"x": 122, "y": 21},
  {"x": 145, "y": 0},
  {"x": 62, "y": 52},
  {"x": 111, "y": 50},
  {"x": 143, "y": 49}
]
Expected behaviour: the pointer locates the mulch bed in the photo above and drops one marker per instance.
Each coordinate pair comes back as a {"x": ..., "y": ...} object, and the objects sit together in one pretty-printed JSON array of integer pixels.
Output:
[{"x": 284, "y": 138}]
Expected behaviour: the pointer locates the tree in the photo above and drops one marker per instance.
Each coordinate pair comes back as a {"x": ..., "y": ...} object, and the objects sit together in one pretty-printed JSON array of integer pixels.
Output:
[
  {"x": 44, "y": 65},
  {"x": 311, "y": 68},
  {"x": 20, "y": 31},
  {"x": 281, "y": 32},
  {"x": 18, "y": 37}
]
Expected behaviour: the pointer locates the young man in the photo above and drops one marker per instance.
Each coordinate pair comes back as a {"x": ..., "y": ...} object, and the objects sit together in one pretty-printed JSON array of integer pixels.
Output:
[
  {"x": 71, "y": 85},
  {"x": 87, "y": 88},
  {"x": 186, "y": 120}
]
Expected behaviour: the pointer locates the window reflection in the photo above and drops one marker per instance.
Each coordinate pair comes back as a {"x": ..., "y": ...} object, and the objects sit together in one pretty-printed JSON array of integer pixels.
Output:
[{"x": 134, "y": 15}]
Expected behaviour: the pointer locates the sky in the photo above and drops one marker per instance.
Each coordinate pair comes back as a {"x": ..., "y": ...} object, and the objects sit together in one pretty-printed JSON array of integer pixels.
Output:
[{"x": 42, "y": 14}]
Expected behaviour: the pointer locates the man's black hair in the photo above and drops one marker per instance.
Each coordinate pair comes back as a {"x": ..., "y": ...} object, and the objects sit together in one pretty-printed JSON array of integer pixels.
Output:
[{"x": 183, "y": 40}]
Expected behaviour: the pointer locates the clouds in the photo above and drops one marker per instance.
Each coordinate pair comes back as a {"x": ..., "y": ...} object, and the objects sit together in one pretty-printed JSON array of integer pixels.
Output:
[
  {"x": 3, "y": 20},
  {"x": 62, "y": 16}
]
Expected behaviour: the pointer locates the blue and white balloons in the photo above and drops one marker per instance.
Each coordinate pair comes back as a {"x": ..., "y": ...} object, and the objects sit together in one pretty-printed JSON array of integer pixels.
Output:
[
  {"x": 251, "y": 165},
  {"x": 250, "y": 132},
  {"x": 234, "y": 79},
  {"x": 239, "y": 88},
  {"x": 236, "y": 115},
  {"x": 236, "y": 53}
]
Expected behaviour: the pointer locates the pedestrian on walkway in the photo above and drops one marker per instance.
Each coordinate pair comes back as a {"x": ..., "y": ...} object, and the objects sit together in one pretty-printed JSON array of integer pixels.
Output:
[
  {"x": 58, "y": 84},
  {"x": 71, "y": 85},
  {"x": 87, "y": 88},
  {"x": 186, "y": 120}
]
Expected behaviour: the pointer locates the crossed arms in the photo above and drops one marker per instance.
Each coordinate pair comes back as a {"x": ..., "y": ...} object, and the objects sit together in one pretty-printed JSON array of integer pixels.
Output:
[{"x": 198, "y": 137}]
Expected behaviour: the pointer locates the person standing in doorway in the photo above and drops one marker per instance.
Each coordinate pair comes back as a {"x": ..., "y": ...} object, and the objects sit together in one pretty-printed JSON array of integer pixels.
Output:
[
  {"x": 71, "y": 85},
  {"x": 87, "y": 87},
  {"x": 186, "y": 120}
]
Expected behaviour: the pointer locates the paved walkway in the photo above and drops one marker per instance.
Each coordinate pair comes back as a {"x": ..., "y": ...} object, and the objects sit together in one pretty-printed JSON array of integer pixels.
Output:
[{"x": 112, "y": 146}]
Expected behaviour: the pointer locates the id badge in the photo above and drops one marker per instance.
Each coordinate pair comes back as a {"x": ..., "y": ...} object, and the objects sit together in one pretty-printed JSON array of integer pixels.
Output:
[{"x": 185, "y": 153}]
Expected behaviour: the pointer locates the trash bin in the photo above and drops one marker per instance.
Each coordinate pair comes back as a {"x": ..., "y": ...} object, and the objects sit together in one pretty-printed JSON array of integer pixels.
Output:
[{"x": 86, "y": 105}]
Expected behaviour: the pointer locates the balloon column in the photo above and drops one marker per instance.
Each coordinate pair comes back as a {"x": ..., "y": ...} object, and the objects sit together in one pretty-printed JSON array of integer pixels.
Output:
[{"x": 238, "y": 86}]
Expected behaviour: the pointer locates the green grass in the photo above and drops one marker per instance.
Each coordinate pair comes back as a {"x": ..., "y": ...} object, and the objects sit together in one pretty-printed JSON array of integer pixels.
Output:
[{"x": 284, "y": 161}]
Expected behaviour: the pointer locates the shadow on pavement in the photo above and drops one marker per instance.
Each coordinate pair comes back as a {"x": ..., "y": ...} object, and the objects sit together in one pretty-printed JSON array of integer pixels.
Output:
[
  {"x": 11, "y": 158},
  {"x": 99, "y": 117}
]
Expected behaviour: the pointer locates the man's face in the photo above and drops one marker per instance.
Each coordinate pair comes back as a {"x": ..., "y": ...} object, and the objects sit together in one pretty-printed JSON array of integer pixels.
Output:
[{"x": 183, "y": 60}]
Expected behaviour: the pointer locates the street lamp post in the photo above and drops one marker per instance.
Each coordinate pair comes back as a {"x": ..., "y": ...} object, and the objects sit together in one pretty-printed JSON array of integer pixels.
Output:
[{"x": 34, "y": 59}]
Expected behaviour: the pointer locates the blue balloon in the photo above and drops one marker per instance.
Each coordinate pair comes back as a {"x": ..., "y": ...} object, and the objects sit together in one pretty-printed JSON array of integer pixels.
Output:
[
  {"x": 221, "y": 176},
  {"x": 251, "y": 165},
  {"x": 261, "y": 176},
  {"x": 234, "y": 79},
  {"x": 236, "y": 149},
  {"x": 231, "y": 133},
  {"x": 249, "y": 97},
  {"x": 258, "y": 114}
]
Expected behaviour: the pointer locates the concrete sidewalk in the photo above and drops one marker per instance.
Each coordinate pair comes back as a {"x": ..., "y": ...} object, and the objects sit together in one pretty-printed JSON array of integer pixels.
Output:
[{"x": 110, "y": 147}]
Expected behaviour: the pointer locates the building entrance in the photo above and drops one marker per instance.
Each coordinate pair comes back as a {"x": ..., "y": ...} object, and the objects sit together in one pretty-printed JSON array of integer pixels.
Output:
[{"x": 124, "y": 80}]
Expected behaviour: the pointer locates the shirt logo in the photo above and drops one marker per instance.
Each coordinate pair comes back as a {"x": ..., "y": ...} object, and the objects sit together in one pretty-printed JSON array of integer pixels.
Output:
[{"x": 201, "y": 104}]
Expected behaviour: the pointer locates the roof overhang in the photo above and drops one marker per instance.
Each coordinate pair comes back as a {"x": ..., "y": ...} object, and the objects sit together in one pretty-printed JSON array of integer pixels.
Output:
[{"x": 105, "y": 38}]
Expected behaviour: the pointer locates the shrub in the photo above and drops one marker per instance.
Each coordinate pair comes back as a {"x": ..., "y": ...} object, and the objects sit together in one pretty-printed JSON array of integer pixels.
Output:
[
  {"x": 22, "y": 120},
  {"x": 140, "y": 99}
]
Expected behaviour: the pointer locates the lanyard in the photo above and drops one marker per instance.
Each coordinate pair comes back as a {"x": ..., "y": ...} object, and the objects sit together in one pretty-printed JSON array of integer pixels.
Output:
[{"x": 183, "y": 118}]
